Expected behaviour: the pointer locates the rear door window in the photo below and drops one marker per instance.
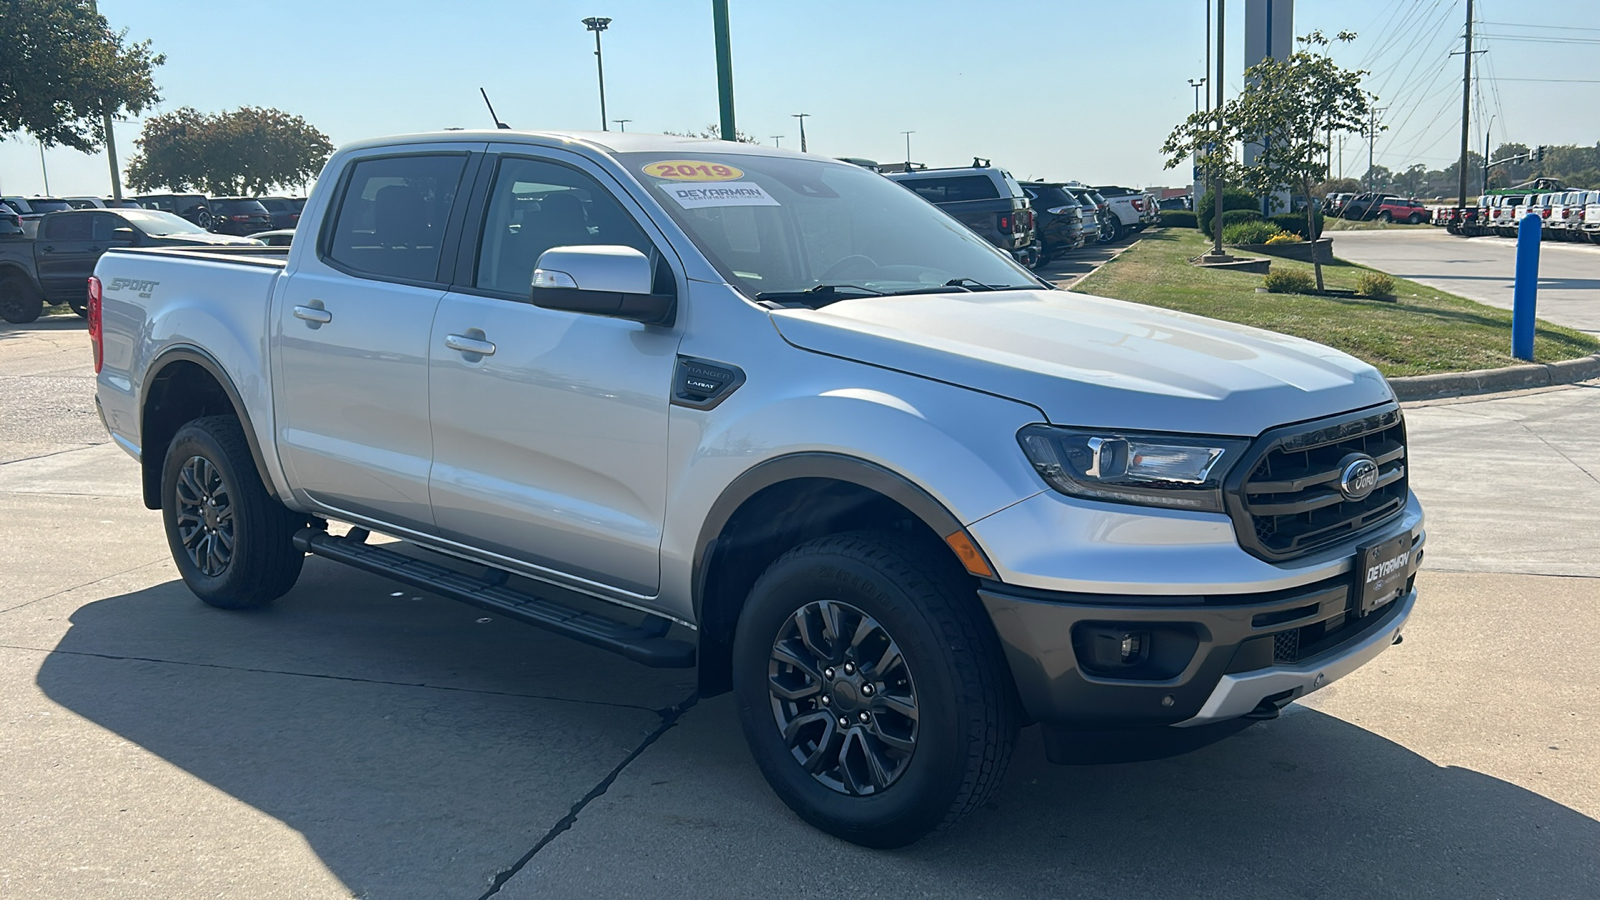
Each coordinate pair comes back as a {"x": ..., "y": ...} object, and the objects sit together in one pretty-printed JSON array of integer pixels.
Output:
[
  {"x": 67, "y": 228},
  {"x": 954, "y": 188},
  {"x": 392, "y": 213}
]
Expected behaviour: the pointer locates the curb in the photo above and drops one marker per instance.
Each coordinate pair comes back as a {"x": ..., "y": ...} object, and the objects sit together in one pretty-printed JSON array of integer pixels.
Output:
[
  {"x": 1119, "y": 251},
  {"x": 1488, "y": 381}
]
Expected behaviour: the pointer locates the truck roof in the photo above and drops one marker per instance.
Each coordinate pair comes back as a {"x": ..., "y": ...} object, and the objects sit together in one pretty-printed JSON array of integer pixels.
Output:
[{"x": 604, "y": 141}]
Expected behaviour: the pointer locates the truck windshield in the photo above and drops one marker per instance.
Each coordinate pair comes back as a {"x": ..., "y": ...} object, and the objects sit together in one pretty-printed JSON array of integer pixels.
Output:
[{"x": 782, "y": 225}]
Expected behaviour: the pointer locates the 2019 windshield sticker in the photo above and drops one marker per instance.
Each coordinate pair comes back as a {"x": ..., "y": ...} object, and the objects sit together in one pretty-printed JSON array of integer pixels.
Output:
[
  {"x": 693, "y": 170},
  {"x": 733, "y": 193}
]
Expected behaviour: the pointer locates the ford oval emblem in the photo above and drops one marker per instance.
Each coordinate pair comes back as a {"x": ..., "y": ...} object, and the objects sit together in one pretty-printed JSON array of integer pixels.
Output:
[{"x": 1358, "y": 477}]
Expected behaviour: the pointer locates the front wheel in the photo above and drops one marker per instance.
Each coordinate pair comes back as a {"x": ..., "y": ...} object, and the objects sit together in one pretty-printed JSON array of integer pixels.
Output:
[
  {"x": 872, "y": 689},
  {"x": 1385, "y": 218},
  {"x": 20, "y": 302},
  {"x": 1414, "y": 220},
  {"x": 231, "y": 539}
]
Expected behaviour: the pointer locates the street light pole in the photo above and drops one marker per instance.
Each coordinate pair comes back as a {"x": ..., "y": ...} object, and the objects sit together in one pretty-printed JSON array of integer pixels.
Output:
[
  {"x": 908, "y": 135},
  {"x": 1216, "y": 253},
  {"x": 622, "y": 124},
  {"x": 111, "y": 138},
  {"x": 802, "y": 118},
  {"x": 598, "y": 24},
  {"x": 724, "y": 41},
  {"x": 776, "y": 138},
  {"x": 1197, "y": 84}
]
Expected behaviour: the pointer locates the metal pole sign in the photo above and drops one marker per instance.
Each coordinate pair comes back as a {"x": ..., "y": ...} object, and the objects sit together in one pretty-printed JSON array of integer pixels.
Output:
[{"x": 1524, "y": 294}]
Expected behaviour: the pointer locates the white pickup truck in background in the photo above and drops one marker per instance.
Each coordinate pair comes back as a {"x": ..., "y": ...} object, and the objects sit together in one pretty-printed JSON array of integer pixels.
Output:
[{"x": 774, "y": 416}]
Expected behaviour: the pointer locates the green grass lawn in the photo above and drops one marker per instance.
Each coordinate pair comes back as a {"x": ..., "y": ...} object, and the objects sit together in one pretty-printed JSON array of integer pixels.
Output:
[
  {"x": 1373, "y": 225},
  {"x": 1422, "y": 331}
]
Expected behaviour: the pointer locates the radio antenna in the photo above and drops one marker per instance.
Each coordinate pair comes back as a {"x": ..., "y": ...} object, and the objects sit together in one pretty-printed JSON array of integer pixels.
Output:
[{"x": 497, "y": 122}]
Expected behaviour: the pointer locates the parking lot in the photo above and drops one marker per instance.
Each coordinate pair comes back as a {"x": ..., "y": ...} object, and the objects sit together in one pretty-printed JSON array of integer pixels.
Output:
[{"x": 360, "y": 740}]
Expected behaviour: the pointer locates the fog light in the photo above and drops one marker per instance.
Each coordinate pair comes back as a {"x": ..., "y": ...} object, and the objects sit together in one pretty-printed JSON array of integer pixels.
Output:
[{"x": 1115, "y": 648}]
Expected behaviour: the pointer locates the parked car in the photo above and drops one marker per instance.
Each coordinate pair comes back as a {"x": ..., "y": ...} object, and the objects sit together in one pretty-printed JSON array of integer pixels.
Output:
[
  {"x": 1058, "y": 219},
  {"x": 982, "y": 197},
  {"x": 30, "y": 210},
  {"x": 55, "y": 268},
  {"x": 86, "y": 202},
  {"x": 1105, "y": 220},
  {"x": 1566, "y": 211},
  {"x": 193, "y": 207},
  {"x": 1386, "y": 208},
  {"x": 285, "y": 211},
  {"x": 1590, "y": 223},
  {"x": 239, "y": 216},
  {"x": 10, "y": 223},
  {"x": 900, "y": 494},
  {"x": 1131, "y": 209},
  {"x": 1335, "y": 203}
]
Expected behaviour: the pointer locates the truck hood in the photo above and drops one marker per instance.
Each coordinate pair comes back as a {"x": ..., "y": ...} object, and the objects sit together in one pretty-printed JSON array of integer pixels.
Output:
[{"x": 1093, "y": 361}]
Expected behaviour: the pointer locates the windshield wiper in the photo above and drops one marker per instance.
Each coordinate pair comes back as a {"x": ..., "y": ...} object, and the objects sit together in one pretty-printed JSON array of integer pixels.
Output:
[
  {"x": 964, "y": 285},
  {"x": 827, "y": 293}
]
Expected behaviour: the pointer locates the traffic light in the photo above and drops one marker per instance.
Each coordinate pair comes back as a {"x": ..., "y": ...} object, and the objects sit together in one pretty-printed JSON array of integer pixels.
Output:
[{"x": 1538, "y": 154}]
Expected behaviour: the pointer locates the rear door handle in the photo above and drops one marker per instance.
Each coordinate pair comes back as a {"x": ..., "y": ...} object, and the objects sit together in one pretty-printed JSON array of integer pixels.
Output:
[
  {"x": 468, "y": 345},
  {"x": 313, "y": 314}
]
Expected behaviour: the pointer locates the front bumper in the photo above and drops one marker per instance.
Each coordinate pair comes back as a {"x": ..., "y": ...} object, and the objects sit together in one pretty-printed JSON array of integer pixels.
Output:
[{"x": 1205, "y": 659}]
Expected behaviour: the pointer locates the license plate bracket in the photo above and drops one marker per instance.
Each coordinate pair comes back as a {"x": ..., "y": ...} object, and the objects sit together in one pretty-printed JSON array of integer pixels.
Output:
[{"x": 1381, "y": 572}]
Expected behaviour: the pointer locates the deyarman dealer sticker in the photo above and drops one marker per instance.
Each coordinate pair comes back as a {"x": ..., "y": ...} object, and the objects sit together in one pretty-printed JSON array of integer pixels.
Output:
[{"x": 727, "y": 193}]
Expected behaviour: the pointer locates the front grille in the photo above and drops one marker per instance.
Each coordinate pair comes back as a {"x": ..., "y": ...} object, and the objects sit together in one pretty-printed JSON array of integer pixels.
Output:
[
  {"x": 1288, "y": 503},
  {"x": 1286, "y": 646}
]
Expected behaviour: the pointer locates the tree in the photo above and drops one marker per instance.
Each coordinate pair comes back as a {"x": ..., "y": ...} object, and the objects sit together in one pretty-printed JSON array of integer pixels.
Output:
[
  {"x": 1410, "y": 181},
  {"x": 1291, "y": 108},
  {"x": 714, "y": 132},
  {"x": 1377, "y": 178},
  {"x": 62, "y": 68},
  {"x": 244, "y": 152},
  {"x": 1338, "y": 186}
]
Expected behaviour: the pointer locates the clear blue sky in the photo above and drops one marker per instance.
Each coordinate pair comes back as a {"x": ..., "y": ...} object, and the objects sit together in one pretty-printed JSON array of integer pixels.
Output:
[{"x": 1048, "y": 88}]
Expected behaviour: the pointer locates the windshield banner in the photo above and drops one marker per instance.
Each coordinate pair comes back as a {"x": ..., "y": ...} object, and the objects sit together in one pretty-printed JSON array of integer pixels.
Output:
[{"x": 731, "y": 193}]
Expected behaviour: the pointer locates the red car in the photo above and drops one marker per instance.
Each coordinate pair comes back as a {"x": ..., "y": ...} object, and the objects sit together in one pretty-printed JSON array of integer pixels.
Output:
[{"x": 1386, "y": 208}]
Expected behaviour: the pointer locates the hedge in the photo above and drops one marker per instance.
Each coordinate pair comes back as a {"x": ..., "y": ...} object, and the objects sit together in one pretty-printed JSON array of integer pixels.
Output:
[
  {"x": 1231, "y": 217},
  {"x": 1178, "y": 218},
  {"x": 1232, "y": 198},
  {"x": 1294, "y": 223}
]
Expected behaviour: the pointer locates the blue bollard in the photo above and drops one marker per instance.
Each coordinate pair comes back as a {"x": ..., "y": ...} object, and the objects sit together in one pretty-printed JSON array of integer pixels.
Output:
[{"x": 1524, "y": 295}]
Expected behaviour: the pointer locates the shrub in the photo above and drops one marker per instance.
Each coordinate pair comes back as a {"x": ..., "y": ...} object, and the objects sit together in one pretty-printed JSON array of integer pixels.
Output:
[
  {"x": 1294, "y": 223},
  {"x": 1284, "y": 237},
  {"x": 1256, "y": 232},
  {"x": 1232, "y": 198},
  {"x": 1231, "y": 217},
  {"x": 1178, "y": 218},
  {"x": 1376, "y": 285},
  {"x": 1289, "y": 281}
]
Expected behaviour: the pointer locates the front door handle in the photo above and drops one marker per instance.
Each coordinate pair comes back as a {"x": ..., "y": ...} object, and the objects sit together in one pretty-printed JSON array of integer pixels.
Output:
[
  {"x": 313, "y": 314},
  {"x": 468, "y": 344}
]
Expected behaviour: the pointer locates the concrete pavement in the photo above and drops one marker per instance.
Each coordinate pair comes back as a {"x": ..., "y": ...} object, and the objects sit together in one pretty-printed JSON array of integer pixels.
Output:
[
  {"x": 360, "y": 739},
  {"x": 1483, "y": 269}
]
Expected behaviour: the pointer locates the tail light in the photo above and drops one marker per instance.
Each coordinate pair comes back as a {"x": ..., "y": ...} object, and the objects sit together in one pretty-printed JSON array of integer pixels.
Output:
[
  {"x": 1005, "y": 223},
  {"x": 240, "y": 218},
  {"x": 1565, "y": 213},
  {"x": 94, "y": 323},
  {"x": 1545, "y": 212},
  {"x": 1138, "y": 204}
]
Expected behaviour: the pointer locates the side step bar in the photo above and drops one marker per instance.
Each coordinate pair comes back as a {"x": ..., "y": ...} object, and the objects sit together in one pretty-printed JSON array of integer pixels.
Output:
[{"x": 646, "y": 643}]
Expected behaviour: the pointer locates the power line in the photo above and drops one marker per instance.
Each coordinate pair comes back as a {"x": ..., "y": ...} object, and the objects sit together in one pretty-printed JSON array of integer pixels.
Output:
[
  {"x": 1551, "y": 80},
  {"x": 1547, "y": 27},
  {"x": 1528, "y": 39}
]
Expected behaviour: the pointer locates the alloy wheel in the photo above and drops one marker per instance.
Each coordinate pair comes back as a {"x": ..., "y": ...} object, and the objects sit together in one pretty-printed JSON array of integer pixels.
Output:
[
  {"x": 843, "y": 698},
  {"x": 206, "y": 526}
]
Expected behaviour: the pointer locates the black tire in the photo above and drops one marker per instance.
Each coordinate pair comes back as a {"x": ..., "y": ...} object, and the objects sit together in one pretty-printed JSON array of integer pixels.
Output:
[
  {"x": 80, "y": 308},
  {"x": 1385, "y": 217},
  {"x": 209, "y": 460},
  {"x": 951, "y": 757},
  {"x": 1416, "y": 219},
  {"x": 20, "y": 302},
  {"x": 1111, "y": 233}
]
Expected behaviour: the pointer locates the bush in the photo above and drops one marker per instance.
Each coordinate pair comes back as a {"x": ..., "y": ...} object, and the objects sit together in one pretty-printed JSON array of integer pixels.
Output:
[
  {"x": 1284, "y": 237},
  {"x": 1256, "y": 232},
  {"x": 1376, "y": 285},
  {"x": 1178, "y": 218},
  {"x": 1294, "y": 223},
  {"x": 1232, "y": 199},
  {"x": 1289, "y": 281},
  {"x": 1231, "y": 217}
]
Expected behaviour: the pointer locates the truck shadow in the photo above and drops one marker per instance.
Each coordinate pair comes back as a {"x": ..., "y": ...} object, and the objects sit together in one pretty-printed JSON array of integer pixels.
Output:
[{"x": 419, "y": 750}]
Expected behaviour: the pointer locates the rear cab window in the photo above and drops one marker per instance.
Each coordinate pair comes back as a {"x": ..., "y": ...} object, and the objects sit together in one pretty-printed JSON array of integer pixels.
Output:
[
  {"x": 391, "y": 216},
  {"x": 67, "y": 228}
]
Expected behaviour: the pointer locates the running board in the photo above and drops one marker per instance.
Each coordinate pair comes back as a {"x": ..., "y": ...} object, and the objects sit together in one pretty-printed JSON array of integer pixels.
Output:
[{"x": 645, "y": 643}]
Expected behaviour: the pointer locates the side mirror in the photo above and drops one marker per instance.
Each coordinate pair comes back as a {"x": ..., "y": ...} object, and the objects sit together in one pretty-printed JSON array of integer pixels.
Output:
[
  {"x": 600, "y": 280},
  {"x": 124, "y": 234}
]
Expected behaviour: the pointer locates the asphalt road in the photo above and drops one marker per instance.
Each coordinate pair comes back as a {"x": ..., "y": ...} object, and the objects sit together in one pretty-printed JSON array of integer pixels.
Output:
[
  {"x": 1484, "y": 269},
  {"x": 361, "y": 740}
]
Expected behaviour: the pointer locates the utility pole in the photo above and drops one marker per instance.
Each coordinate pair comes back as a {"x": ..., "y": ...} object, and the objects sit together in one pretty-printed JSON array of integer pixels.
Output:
[
  {"x": 622, "y": 124},
  {"x": 802, "y": 117},
  {"x": 1372, "y": 139},
  {"x": 1216, "y": 176},
  {"x": 719, "y": 28},
  {"x": 598, "y": 24},
  {"x": 908, "y": 135},
  {"x": 1466, "y": 106},
  {"x": 1486, "y": 130},
  {"x": 1208, "y": 49},
  {"x": 111, "y": 138},
  {"x": 44, "y": 171},
  {"x": 776, "y": 138}
]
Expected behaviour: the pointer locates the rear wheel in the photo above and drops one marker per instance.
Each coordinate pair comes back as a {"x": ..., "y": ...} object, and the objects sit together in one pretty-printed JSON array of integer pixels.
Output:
[
  {"x": 20, "y": 302},
  {"x": 1109, "y": 231},
  {"x": 1385, "y": 217},
  {"x": 230, "y": 538},
  {"x": 872, "y": 689},
  {"x": 1416, "y": 219},
  {"x": 80, "y": 308}
]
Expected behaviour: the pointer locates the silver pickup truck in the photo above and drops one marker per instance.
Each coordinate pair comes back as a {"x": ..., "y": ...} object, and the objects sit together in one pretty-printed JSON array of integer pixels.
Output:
[{"x": 771, "y": 415}]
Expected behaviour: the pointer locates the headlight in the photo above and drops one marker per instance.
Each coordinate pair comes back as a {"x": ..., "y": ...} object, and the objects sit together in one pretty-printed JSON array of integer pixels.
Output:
[{"x": 1179, "y": 471}]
